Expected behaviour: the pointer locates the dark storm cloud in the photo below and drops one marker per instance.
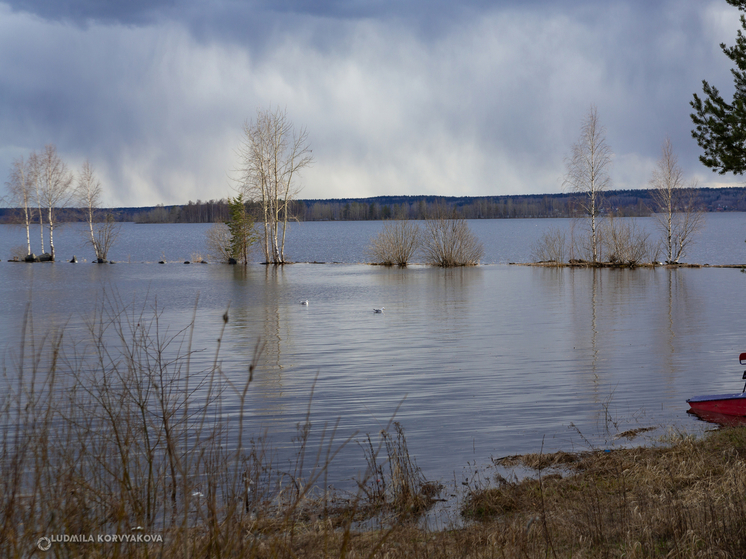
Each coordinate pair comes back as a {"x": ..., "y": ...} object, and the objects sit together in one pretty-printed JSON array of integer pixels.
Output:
[
  {"x": 83, "y": 11},
  {"x": 252, "y": 17},
  {"x": 399, "y": 97},
  {"x": 145, "y": 11}
]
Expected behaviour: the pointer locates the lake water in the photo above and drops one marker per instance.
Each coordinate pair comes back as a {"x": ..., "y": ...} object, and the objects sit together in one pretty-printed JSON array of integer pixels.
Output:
[
  {"x": 478, "y": 362},
  {"x": 505, "y": 240}
]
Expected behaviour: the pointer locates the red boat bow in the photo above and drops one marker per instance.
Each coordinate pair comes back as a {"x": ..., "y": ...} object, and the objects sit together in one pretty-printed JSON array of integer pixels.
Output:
[{"x": 725, "y": 404}]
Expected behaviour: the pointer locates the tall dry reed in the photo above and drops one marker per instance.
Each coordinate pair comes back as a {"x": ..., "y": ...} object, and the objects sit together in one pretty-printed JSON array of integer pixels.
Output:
[{"x": 116, "y": 435}]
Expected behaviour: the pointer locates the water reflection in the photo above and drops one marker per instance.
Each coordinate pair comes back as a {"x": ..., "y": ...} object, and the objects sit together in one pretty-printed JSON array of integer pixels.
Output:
[
  {"x": 718, "y": 418},
  {"x": 258, "y": 316},
  {"x": 676, "y": 298},
  {"x": 626, "y": 329},
  {"x": 595, "y": 287},
  {"x": 475, "y": 362}
]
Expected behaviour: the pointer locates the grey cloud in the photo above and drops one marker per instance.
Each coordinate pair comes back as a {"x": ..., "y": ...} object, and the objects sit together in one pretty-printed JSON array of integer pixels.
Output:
[
  {"x": 232, "y": 17},
  {"x": 488, "y": 102}
]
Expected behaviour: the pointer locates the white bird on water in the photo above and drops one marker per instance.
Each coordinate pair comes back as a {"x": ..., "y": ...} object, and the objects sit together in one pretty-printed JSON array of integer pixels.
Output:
[
  {"x": 304, "y": 302},
  {"x": 379, "y": 310}
]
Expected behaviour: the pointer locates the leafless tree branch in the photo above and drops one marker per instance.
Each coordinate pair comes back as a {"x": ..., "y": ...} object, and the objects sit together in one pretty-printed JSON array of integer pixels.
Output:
[
  {"x": 678, "y": 215},
  {"x": 588, "y": 172}
]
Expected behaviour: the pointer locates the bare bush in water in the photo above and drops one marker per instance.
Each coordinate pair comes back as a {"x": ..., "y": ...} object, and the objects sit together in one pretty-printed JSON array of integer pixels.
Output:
[
  {"x": 396, "y": 243},
  {"x": 619, "y": 241},
  {"x": 624, "y": 243},
  {"x": 551, "y": 247},
  {"x": 18, "y": 253},
  {"x": 448, "y": 241},
  {"x": 218, "y": 242}
]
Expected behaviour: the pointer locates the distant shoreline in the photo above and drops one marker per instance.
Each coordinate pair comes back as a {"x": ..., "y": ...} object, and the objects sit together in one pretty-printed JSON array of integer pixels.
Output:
[{"x": 622, "y": 203}]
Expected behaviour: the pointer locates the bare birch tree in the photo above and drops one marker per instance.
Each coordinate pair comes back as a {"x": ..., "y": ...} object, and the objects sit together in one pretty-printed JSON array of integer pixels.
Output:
[
  {"x": 676, "y": 211},
  {"x": 272, "y": 153},
  {"x": 20, "y": 185},
  {"x": 55, "y": 187},
  {"x": 102, "y": 230},
  {"x": 35, "y": 170},
  {"x": 588, "y": 172}
]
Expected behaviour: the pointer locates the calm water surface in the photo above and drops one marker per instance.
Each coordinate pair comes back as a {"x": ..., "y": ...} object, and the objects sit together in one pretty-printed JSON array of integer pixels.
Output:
[{"x": 478, "y": 362}]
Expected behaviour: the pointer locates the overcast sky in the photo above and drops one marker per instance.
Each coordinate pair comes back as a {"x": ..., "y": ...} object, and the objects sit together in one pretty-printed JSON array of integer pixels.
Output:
[{"x": 474, "y": 97}]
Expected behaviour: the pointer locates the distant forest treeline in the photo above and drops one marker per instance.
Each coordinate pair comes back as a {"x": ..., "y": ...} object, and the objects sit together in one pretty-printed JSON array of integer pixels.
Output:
[{"x": 631, "y": 203}]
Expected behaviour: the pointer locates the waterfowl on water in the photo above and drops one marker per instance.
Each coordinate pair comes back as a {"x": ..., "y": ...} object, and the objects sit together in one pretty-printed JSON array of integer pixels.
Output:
[
  {"x": 304, "y": 302},
  {"x": 379, "y": 310}
]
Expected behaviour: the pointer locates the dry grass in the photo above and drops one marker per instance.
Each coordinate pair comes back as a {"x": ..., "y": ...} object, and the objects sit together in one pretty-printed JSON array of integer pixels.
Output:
[
  {"x": 685, "y": 499},
  {"x": 396, "y": 486}
]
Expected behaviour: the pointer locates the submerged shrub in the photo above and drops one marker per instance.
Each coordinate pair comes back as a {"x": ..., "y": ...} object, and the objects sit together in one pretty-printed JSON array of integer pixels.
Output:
[
  {"x": 624, "y": 243},
  {"x": 448, "y": 241},
  {"x": 551, "y": 247},
  {"x": 218, "y": 242},
  {"x": 396, "y": 243}
]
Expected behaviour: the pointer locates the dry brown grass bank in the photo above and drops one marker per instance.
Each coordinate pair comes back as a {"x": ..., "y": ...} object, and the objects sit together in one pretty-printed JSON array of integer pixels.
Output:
[{"x": 685, "y": 499}]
